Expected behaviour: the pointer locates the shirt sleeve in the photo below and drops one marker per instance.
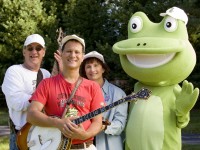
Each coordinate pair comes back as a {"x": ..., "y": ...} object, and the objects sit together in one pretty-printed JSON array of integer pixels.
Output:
[
  {"x": 119, "y": 119},
  {"x": 46, "y": 74},
  {"x": 13, "y": 89}
]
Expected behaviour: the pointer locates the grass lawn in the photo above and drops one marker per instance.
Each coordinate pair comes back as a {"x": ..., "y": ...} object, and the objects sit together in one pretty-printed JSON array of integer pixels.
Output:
[
  {"x": 3, "y": 116},
  {"x": 193, "y": 128},
  {"x": 4, "y": 141}
]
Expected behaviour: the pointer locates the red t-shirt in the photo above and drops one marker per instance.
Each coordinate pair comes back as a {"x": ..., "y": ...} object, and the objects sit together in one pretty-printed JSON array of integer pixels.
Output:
[{"x": 54, "y": 92}]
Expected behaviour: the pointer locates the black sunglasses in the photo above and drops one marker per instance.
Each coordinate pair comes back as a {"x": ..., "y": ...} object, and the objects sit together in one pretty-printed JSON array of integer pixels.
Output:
[{"x": 37, "y": 48}]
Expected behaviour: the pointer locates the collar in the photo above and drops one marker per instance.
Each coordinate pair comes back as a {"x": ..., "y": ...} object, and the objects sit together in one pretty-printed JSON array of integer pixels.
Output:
[{"x": 105, "y": 86}]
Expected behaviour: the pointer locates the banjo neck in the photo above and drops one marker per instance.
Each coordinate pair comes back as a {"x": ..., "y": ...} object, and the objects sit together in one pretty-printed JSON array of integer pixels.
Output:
[{"x": 142, "y": 94}]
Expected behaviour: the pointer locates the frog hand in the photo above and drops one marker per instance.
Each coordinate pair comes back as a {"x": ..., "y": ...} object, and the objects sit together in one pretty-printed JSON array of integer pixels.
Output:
[{"x": 185, "y": 98}]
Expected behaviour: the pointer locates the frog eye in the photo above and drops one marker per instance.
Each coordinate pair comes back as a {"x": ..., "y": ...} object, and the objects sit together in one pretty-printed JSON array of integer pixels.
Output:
[
  {"x": 170, "y": 24},
  {"x": 136, "y": 24}
]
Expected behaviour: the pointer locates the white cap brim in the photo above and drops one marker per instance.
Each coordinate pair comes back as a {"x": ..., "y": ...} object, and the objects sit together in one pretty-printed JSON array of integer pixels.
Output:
[
  {"x": 34, "y": 38},
  {"x": 176, "y": 13},
  {"x": 73, "y": 37},
  {"x": 94, "y": 54}
]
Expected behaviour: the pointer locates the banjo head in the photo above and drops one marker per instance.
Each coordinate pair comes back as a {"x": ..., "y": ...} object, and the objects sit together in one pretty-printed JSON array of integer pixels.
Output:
[{"x": 44, "y": 138}]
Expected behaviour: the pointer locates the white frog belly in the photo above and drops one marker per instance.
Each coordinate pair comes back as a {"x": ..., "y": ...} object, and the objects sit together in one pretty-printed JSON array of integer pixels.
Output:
[{"x": 145, "y": 125}]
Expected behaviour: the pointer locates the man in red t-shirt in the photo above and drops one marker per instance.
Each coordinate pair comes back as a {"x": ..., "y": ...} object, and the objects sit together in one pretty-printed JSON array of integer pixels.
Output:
[{"x": 53, "y": 93}]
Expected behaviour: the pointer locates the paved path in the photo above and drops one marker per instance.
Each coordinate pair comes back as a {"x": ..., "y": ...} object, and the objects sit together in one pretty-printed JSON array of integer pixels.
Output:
[
  {"x": 192, "y": 139},
  {"x": 4, "y": 131}
]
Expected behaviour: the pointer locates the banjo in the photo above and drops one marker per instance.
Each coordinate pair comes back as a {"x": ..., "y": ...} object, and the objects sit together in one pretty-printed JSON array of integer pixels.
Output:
[
  {"x": 56, "y": 69},
  {"x": 49, "y": 138}
]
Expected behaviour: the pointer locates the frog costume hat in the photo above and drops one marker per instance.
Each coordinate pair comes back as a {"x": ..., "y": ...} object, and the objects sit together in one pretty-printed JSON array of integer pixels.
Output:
[{"x": 159, "y": 56}]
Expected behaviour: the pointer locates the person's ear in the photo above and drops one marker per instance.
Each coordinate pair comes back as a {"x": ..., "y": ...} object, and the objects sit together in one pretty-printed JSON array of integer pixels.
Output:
[
  {"x": 44, "y": 53},
  {"x": 23, "y": 52}
]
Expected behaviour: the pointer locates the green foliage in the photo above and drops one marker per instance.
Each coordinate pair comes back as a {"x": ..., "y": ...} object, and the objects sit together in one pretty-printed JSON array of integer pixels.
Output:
[
  {"x": 100, "y": 22},
  {"x": 20, "y": 18},
  {"x": 92, "y": 20}
]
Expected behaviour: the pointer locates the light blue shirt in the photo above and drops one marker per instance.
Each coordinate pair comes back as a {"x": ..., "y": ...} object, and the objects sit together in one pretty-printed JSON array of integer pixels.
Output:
[{"x": 112, "y": 138}]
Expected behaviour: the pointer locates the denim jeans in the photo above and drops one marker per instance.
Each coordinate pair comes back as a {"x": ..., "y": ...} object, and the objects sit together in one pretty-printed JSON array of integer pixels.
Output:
[{"x": 13, "y": 145}]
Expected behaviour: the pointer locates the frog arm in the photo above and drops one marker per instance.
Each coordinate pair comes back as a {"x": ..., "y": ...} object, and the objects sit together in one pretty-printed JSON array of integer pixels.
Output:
[{"x": 185, "y": 100}]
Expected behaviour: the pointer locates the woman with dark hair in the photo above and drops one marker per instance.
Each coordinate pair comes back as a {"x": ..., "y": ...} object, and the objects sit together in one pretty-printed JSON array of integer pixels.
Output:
[{"x": 111, "y": 136}]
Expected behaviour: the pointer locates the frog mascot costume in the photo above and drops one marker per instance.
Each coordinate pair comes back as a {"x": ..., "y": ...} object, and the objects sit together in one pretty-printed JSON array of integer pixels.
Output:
[{"x": 159, "y": 56}]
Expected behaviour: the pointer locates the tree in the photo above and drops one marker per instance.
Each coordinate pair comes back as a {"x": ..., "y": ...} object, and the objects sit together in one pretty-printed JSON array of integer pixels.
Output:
[
  {"x": 103, "y": 22},
  {"x": 92, "y": 20},
  {"x": 19, "y": 18},
  {"x": 100, "y": 22}
]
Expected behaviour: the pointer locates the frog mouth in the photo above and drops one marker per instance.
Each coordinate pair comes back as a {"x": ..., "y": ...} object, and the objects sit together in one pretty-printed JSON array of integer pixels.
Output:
[{"x": 149, "y": 60}]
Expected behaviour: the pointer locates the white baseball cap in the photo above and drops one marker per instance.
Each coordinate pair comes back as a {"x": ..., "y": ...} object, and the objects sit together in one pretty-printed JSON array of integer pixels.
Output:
[
  {"x": 176, "y": 13},
  {"x": 34, "y": 38},
  {"x": 73, "y": 37},
  {"x": 94, "y": 54}
]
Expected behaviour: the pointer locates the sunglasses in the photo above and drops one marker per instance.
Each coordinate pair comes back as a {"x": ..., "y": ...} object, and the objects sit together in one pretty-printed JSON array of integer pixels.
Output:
[{"x": 37, "y": 48}]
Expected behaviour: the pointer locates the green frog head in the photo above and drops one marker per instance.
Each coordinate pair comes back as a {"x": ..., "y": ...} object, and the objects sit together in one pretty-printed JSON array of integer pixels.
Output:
[{"x": 157, "y": 54}]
